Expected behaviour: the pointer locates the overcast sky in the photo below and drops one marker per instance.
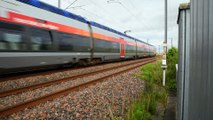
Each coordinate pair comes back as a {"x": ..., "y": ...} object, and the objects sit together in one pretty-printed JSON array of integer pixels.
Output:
[{"x": 145, "y": 18}]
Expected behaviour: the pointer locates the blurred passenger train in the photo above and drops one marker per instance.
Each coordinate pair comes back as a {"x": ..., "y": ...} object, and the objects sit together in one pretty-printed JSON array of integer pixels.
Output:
[{"x": 35, "y": 34}]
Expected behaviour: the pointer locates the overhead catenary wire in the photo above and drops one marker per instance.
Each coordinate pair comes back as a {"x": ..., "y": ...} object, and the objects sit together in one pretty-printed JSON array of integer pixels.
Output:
[
  {"x": 105, "y": 20},
  {"x": 129, "y": 11},
  {"x": 99, "y": 17},
  {"x": 70, "y": 4},
  {"x": 80, "y": 7},
  {"x": 156, "y": 42},
  {"x": 131, "y": 15},
  {"x": 137, "y": 17},
  {"x": 76, "y": 7},
  {"x": 103, "y": 9},
  {"x": 112, "y": 21}
]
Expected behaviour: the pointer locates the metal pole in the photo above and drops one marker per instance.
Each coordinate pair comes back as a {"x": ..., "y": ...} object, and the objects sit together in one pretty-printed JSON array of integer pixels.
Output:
[
  {"x": 159, "y": 49},
  {"x": 171, "y": 42},
  {"x": 165, "y": 26},
  {"x": 59, "y": 3},
  {"x": 164, "y": 66}
]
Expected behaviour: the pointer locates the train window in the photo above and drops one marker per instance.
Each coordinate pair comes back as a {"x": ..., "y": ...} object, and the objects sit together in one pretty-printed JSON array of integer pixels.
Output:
[
  {"x": 11, "y": 37},
  {"x": 9, "y": 26},
  {"x": 115, "y": 47},
  {"x": 65, "y": 43},
  {"x": 130, "y": 49},
  {"x": 73, "y": 43},
  {"x": 106, "y": 46},
  {"x": 40, "y": 39}
]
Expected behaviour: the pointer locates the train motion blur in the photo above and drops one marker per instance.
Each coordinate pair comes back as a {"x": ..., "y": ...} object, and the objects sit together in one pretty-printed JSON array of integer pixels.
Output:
[{"x": 35, "y": 34}]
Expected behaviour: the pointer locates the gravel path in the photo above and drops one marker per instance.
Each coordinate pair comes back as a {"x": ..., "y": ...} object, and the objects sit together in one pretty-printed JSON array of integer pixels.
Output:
[
  {"x": 19, "y": 98},
  {"x": 8, "y": 85},
  {"x": 104, "y": 100}
]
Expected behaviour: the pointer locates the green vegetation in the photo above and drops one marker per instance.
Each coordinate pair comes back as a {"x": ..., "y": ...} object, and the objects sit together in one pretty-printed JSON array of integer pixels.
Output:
[
  {"x": 153, "y": 93},
  {"x": 145, "y": 106},
  {"x": 172, "y": 59}
]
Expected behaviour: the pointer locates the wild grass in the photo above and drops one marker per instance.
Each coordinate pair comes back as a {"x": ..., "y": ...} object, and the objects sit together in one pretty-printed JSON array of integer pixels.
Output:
[
  {"x": 145, "y": 106},
  {"x": 172, "y": 60}
]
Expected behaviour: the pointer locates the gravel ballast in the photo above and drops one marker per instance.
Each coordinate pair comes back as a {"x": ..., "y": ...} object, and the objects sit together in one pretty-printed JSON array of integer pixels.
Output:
[
  {"x": 23, "y": 97},
  {"x": 105, "y": 100},
  {"x": 23, "y": 82}
]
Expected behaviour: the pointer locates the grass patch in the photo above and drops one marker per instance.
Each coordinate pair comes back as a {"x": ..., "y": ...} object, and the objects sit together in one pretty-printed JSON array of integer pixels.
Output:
[
  {"x": 145, "y": 106},
  {"x": 172, "y": 60}
]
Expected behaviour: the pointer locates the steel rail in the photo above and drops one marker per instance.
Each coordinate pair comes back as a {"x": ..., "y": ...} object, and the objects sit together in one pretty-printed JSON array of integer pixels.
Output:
[
  {"x": 49, "y": 97},
  {"x": 45, "y": 72},
  {"x": 48, "y": 83}
]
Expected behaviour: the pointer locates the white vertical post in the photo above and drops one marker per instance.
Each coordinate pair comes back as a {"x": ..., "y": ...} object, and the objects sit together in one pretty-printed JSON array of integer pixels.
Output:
[
  {"x": 164, "y": 66},
  {"x": 164, "y": 77}
]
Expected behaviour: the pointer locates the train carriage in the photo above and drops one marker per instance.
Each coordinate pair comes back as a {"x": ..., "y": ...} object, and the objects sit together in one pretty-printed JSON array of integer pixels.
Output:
[
  {"x": 140, "y": 49},
  {"x": 111, "y": 44},
  {"x": 35, "y": 34},
  {"x": 130, "y": 48},
  {"x": 106, "y": 42}
]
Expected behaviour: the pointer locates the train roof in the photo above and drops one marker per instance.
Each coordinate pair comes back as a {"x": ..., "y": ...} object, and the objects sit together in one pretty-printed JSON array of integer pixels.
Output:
[
  {"x": 109, "y": 29},
  {"x": 114, "y": 31},
  {"x": 56, "y": 10},
  {"x": 53, "y": 9}
]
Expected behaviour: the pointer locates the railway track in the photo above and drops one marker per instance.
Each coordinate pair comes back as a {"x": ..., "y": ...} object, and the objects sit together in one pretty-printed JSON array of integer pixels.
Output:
[
  {"x": 54, "y": 75},
  {"x": 51, "y": 96},
  {"x": 44, "y": 72},
  {"x": 48, "y": 83}
]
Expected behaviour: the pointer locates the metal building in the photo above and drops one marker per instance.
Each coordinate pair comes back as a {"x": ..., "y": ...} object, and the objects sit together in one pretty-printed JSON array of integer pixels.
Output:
[
  {"x": 195, "y": 75},
  {"x": 183, "y": 65}
]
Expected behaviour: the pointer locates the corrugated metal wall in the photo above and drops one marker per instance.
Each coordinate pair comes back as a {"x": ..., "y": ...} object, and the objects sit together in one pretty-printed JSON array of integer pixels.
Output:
[
  {"x": 201, "y": 61},
  {"x": 195, "y": 75},
  {"x": 184, "y": 59}
]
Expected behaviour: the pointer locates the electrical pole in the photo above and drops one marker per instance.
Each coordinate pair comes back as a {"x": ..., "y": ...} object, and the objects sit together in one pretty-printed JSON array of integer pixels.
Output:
[
  {"x": 147, "y": 40},
  {"x": 171, "y": 42},
  {"x": 165, "y": 41},
  {"x": 59, "y": 3},
  {"x": 164, "y": 66},
  {"x": 159, "y": 49}
]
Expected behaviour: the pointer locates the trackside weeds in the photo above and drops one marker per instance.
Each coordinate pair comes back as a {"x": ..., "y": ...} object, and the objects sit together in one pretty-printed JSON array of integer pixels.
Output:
[
  {"x": 134, "y": 95},
  {"x": 152, "y": 101}
]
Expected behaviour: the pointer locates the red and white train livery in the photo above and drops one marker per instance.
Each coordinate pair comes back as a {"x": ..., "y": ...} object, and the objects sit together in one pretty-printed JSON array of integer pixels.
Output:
[{"x": 34, "y": 34}]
